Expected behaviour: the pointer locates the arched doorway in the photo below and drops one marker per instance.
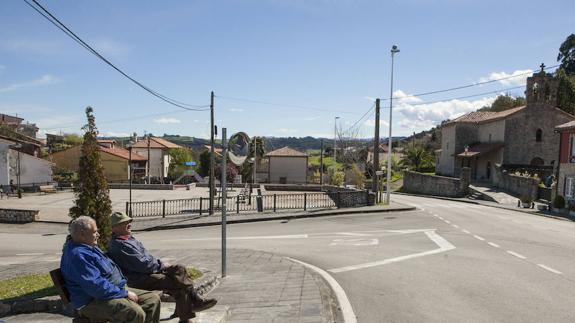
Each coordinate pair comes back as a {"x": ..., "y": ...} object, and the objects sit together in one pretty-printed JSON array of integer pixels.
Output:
[{"x": 537, "y": 162}]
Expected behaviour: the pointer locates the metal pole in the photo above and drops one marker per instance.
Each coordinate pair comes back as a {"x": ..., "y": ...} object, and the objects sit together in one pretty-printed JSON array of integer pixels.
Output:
[
  {"x": 212, "y": 155},
  {"x": 334, "y": 147},
  {"x": 224, "y": 199},
  {"x": 394, "y": 50},
  {"x": 130, "y": 179},
  {"x": 255, "y": 160},
  {"x": 375, "y": 184},
  {"x": 321, "y": 165},
  {"x": 148, "y": 164},
  {"x": 18, "y": 177}
]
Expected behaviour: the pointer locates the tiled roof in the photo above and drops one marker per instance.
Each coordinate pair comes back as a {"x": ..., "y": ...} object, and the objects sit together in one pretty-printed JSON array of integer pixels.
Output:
[
  {"x": 382, "y": 148},
  {"x": 217, "y": 150},
  {"x": 286, "y": 152},
  {"x": 485, "y": 116},
  {"x": 566, "y": 126},
  {"x": 156, "y": 142},
  {"x": 122, "y": 153}
]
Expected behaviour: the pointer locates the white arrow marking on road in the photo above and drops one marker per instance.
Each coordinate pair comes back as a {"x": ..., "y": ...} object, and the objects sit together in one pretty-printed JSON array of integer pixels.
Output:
[
  {"x": 443, "y": 244},
  {"x": 354, "y": 242},
  {"x": 353, "y": 234}
]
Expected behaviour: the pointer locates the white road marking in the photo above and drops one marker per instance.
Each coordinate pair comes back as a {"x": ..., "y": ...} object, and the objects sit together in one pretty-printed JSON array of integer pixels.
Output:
[
  {"x": 443, "y": 244},
  {"x": 455, "y": 226},
  {"x": 440, "y": 217},
  {"x": 513, "y": 253},
  {"x": 354, "y": 242},
  {"x": 447, "y": 221},
  {"x": 30, "y": 254},
  {"x": 478, "y": 238},
  {"x": 466, "y": 231},
  {"x": 345, "y": 305},
  {"x": 494, "y": 245},
  {"x": 550, "y": 269},
  {"x": 354, "y": 234},
  {"x": 293, "y": 236}
]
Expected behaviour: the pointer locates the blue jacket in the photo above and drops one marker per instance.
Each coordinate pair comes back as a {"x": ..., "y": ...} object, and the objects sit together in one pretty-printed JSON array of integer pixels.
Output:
[
  {"x": 133, "y": 259},
  {"x": 89, "y": 274}
]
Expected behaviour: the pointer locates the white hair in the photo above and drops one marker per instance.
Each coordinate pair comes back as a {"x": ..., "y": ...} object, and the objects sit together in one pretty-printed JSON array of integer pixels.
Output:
[{"x": 81, "y": 223}]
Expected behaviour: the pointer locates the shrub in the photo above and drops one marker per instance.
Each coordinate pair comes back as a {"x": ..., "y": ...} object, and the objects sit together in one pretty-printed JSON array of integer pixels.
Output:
[{"x": 559, "y": 202}]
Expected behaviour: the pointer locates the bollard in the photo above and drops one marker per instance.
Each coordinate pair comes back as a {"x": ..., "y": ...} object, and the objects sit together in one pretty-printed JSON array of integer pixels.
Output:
[
  {"x": 201, "y": 205},
  {"x": 163, "y": 208},
  {"x": 237, "y": 204},
  {"x": 274, "y": 202},
  {"x": 304, "y": 201},
  {"x": 259, "y": 202}
]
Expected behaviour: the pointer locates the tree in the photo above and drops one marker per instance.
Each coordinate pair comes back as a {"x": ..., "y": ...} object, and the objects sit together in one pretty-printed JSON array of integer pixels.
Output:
[
  {"x": 417, "y": 158},
  {"x": 91, "y": 187},
  {"x": 231, "y": 172},
  {"x": 567, "y": 55},
  {"x": 204, "y": 167},
  {"x": 566, "y": 91},
  {"x": 177, "y": 159},
  {"x": 505, "y": 102}
]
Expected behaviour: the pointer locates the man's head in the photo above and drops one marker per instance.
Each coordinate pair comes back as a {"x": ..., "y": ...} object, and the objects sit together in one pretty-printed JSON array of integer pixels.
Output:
[
  {"x": 84, "y": 230},
  {"x": 121, "y": 224}
]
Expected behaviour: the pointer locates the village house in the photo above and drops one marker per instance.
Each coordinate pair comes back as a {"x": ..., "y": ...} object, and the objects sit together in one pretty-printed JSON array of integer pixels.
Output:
[
  {"x": 115, "y": 161},
  {"x": 522, "y": 137},
  {"x": 287, "y": 166},
  {"x": 158, "y": 150},
  {"x": 16, "y": 164},
  {"x": 566, "y": 168}
]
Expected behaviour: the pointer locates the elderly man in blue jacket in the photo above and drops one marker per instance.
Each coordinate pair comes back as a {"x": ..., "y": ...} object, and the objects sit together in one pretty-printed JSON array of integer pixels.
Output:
[
  {"x": 97, "y": 286},
  {"x": 144, "y": 271}
]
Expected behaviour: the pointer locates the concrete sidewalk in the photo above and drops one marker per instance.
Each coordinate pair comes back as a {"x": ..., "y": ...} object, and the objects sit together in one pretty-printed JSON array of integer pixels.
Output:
[{"x": 259, "y": 287}]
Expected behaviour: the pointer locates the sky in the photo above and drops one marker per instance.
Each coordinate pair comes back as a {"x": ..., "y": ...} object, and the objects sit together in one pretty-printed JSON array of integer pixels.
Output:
[{"x": 277, "y": 67}]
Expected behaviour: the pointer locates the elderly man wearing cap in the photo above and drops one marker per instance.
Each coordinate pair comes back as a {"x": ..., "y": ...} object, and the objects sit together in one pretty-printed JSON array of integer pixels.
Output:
[{"x": 144, "y": 271}]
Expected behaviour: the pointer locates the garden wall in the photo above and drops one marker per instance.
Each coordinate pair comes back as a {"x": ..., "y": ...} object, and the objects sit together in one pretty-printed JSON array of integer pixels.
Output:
[{"x": 425, "y": 184}]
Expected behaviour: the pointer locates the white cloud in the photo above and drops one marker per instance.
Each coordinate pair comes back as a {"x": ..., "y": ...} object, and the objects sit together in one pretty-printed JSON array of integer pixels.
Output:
[
  {"x": 424, "y": 116},
  {"x": 113, "y": 134},
  {"x": 167, "y": 120},
  {"x": 310, "y": 118},
  {"x": 516, "y": 78},
  {"x": 235, "y": 110},
  {"x": 371, "y": 123},
  {"x": 287, "y": 131},
  {"x": 403, "y": 97},
  {"x": 43, "y": 80}
]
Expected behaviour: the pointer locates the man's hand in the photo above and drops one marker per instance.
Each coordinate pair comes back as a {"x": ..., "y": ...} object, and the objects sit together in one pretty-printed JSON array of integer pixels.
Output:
[{"x": 132, "y": 296}]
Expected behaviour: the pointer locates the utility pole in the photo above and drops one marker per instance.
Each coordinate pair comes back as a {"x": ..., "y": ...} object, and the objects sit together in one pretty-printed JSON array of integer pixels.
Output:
[
  {"x": 255, "y": 160},
  {"x": 374, "y": 181},
  {"x": 321, "y": 165},
  {"x": 212, "y": 155}
]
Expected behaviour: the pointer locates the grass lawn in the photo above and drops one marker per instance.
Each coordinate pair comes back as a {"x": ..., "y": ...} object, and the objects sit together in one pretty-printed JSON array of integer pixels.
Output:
[
  {"x": 327, "y": 162},
  {"x": 40, "y": 285}
]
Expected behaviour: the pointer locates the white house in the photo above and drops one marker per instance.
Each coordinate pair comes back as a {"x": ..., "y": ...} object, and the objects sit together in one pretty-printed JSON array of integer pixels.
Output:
[
  {"x": 159, "y": 158},
  {"x": 287, "y": 166},
  {"x": 33, "y": 170}
]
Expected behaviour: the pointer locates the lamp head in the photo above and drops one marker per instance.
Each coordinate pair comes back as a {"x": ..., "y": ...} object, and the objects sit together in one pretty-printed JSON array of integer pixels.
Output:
[{"x": 394, "y": 49}]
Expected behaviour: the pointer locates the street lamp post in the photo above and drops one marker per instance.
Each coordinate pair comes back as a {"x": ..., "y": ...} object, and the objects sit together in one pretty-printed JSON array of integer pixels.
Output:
[
  {"x": 334, "y": 147},
  {"x": 394, "y": 50},
  {"x": 130, "y": 176},
  {"x": 16, "y": 147}
]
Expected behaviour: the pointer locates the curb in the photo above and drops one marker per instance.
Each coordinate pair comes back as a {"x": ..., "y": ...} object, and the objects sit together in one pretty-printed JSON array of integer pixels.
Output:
[
  {"x": 53, "y": 304},
  {"x": 538, "y": 213},
  {"x": 230, "y": 220}
]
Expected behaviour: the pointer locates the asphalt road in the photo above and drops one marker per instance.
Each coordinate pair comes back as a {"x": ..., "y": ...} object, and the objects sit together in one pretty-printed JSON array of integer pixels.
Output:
[{"x": 445, "y": 262}]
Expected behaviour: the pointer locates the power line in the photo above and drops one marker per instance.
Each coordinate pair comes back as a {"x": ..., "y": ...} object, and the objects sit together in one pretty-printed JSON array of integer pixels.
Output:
[
  {"x": 467, "y": 86},
  {"x": 52, "y": 19},
  {"x": 282, "y": 105}
]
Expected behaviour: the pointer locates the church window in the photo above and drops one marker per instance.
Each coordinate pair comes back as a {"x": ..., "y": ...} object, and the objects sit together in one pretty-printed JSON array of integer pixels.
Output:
[{"x": 539, "y": 135}]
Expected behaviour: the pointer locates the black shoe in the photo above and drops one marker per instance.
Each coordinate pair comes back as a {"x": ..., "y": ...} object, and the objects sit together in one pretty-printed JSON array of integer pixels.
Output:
[{"x": 204, "y": 304}]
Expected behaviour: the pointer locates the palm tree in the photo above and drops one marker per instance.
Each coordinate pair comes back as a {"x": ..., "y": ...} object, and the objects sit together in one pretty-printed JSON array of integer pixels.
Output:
[{"x": 417, "y": 158}]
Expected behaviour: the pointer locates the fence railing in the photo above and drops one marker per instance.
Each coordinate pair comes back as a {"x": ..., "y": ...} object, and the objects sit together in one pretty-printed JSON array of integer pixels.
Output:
[{"x": 237, "y": 204}]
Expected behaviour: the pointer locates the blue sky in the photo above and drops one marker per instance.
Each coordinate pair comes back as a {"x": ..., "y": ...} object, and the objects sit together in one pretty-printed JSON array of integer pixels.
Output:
[{"x": 329, "y": 55}]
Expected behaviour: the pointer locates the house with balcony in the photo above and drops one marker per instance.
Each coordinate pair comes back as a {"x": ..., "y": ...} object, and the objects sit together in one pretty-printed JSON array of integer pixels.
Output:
[{"x": 157, "y": 151}]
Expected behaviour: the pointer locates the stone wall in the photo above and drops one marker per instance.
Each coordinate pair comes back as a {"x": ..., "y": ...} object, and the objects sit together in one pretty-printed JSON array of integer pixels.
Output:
[
  {"x": 515, "y": 185},
  {"x": 18, "y": 216},
  {"x": 436, "y": 185}
]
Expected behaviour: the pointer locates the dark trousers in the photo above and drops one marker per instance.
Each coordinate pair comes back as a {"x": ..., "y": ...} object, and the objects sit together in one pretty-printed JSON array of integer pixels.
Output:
[{"x": 176, "y": 282}]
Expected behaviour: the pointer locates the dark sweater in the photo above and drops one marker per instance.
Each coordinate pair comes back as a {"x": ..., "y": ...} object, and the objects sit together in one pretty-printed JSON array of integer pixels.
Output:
[{"x": 133, "y": 259}]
